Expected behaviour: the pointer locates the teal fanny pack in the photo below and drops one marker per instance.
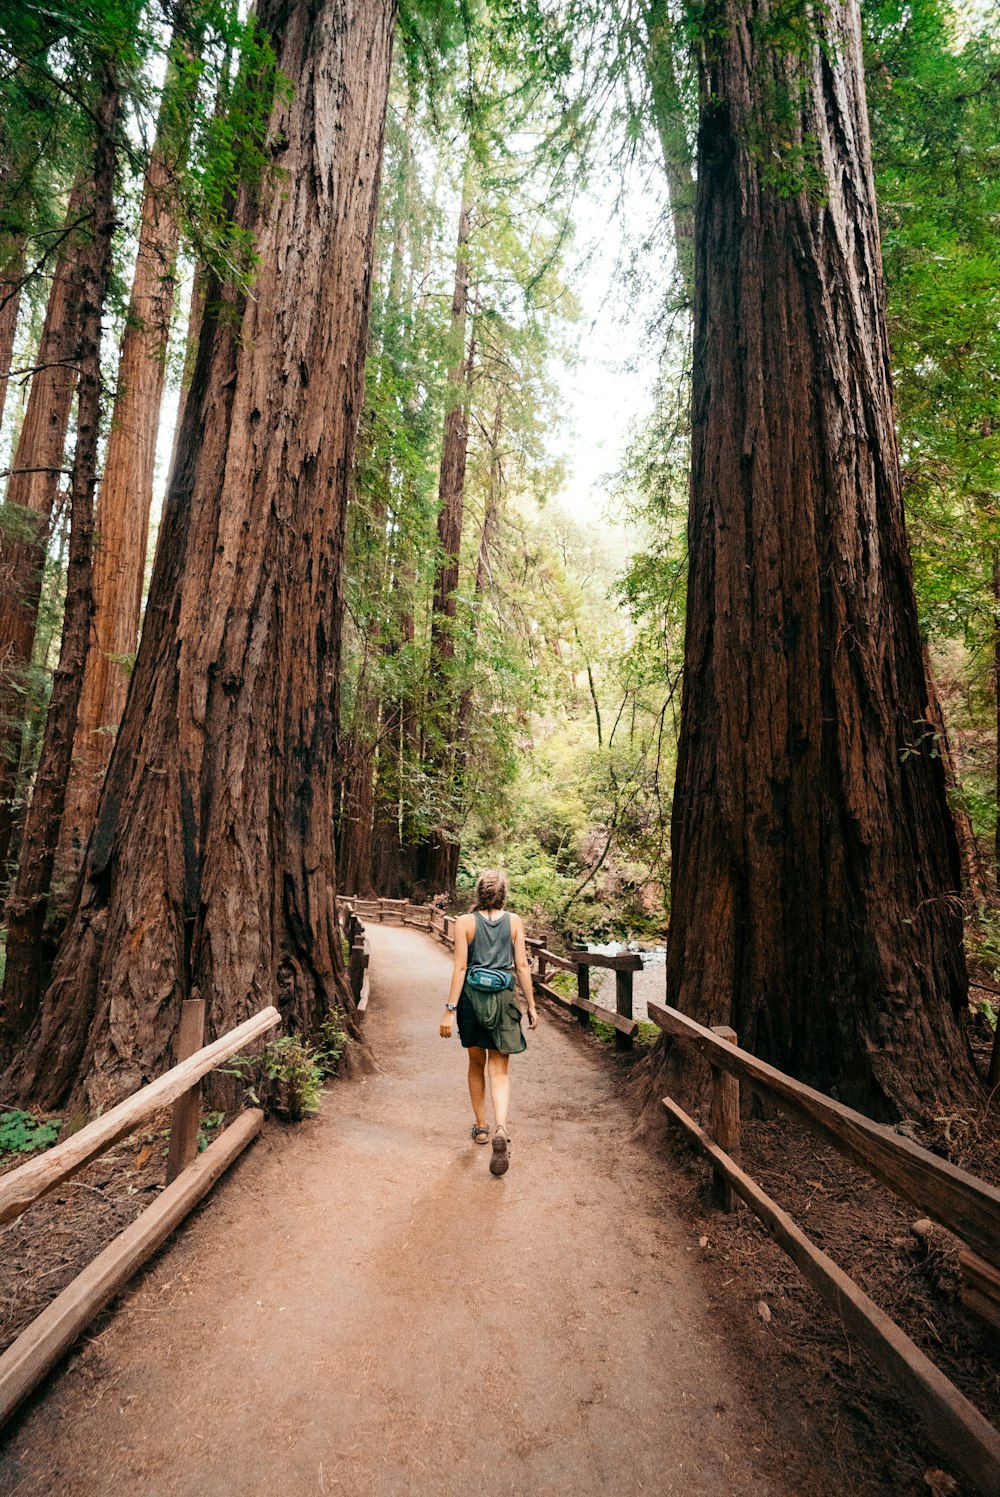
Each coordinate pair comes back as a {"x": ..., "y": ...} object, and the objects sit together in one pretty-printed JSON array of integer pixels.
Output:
[{"x": 489, "y": 979}]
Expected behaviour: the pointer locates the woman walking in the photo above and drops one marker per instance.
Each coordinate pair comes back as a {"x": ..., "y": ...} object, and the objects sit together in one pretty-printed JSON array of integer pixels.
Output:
[{"x": 489, "y": 950}]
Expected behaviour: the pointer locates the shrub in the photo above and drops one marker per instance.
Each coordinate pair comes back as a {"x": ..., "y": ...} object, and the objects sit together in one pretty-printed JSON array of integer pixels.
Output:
[
  {"x": 285, "y": 1077},
  {"x": 333, "y": 1039}
]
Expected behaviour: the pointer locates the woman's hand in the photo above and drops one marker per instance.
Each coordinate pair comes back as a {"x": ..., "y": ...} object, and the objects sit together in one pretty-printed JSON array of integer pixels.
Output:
[
  {"x": 532, "y": 1018},
  {"x": 445, "y": 1027}
]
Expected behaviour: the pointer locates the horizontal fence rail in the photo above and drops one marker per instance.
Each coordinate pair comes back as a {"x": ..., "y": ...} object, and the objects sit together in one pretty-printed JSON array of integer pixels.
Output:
[
  {"x": 964, "y": 1204},
  {"x": 31, "y": 1181},
  {"x": 190, "y": 1176},
  {"x": 961, "y": 1433},
  {"x": 40, "y": 1346}
]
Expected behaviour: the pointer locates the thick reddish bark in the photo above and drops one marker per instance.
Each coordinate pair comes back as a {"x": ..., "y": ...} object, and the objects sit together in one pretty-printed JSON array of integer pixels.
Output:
[
  {"x": 126, "y": 492},
  {"x": 212, "y": 861},
  {"x": 30, "y": 500},
  {"x": 815, "y": 880},
  {"x": 26, "y": 964}
]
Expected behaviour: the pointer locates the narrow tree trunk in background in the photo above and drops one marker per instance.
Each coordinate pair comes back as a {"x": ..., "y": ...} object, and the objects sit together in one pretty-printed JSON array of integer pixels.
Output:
[
  {"x": 975, "y": 876},
  {"x": 27, "y": 511},
  {"x": 663, "y": 41},
  {"x": 491, "y": 516},
  {"x": 26, "y": 964},
  {"x": 212, "y": 861},
  {"x": 394, "y": 855},
  {"x": 442, "y": 852},
  {"x": 10, "y": 301},
  {"x": 454, "y": 451},
  {"x": 815, "y": 880},
  {"x": 357, "y": 816},
  {"x": 126, "y": 492}
]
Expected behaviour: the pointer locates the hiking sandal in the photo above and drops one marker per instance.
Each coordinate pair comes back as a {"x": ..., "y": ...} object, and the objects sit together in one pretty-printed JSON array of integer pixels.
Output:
[
  {"x": 500, "y": 1162},
  {"x": 479, "y": 1133}
]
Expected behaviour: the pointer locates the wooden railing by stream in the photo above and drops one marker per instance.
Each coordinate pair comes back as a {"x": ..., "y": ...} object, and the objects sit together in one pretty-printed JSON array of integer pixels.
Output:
[
  {"x": 952, "y": 1197},
  {"x": 190, "y": 1176}
]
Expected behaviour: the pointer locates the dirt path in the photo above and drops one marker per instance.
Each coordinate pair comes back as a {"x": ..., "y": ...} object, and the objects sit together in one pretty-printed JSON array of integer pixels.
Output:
[{"x": 361, "y": 1308}]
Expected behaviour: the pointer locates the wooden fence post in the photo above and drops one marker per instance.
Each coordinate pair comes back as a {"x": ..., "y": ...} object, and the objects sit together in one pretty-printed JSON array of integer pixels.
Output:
[
  {"x": 357, "y": 967},
  {"x": 185, "y": 1116},
  {"x": 583, "y": 991},
  {"x": 724, "y": 1120},
  {"x": 623, "y": 1002}
]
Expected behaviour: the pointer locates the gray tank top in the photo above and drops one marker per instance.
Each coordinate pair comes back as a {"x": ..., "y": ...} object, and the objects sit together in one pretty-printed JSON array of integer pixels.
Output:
[{"x": 492, "y": 945}]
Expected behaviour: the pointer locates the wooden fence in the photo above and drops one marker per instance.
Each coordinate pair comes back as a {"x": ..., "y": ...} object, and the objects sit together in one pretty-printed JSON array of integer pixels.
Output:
[
  {"x": 359, "y": 954},
  {"x": 190, "y": 1176},
  {"x": 959, "y": 1201}
]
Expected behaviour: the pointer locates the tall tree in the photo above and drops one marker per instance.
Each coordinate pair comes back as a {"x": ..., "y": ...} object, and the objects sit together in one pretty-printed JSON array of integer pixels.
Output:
[
  {"x": 26, "y": 517},
  {"x": 126, "y": 492},
  {"x": 212, "y": 860},
  {"x": 815, "y": 868},
  {"x": 27, "y": 905},
  {"x": 442, "y": 855}
]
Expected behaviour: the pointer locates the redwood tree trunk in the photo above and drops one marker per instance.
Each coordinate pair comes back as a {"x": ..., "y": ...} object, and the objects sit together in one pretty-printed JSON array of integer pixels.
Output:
[
  {"x": 212, "y": 862},
  {"x": 10, "y": 301},
  {"x": 30, "y": 500},
  {"x": 815, "y": 880},
  {"x": 126, "y": 492},
  {"x": 26, "y": 908},
  {"x": 441, "y": 860}
]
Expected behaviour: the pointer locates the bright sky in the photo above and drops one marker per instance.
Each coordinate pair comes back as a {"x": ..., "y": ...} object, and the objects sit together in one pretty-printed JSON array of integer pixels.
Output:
[{"x": 609, "y": 388}]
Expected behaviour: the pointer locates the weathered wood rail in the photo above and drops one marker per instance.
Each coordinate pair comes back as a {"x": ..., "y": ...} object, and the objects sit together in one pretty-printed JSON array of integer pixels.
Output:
[
  {"x": 429, "y": 917},
  {"x": 959, "y": 1201},
  {"x": 190, "y": 1176},
  {"x": 359, "y": 954}
]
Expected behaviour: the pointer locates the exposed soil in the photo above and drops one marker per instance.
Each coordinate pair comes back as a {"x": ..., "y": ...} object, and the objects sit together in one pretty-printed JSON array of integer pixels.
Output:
[{"x": 361, "y": 1308}]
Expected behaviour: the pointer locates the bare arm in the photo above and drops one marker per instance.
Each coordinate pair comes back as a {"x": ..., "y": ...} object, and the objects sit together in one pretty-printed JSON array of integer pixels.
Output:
[
  {"x": 523, "y": 970},
  {"x": 457, "y": 972}
]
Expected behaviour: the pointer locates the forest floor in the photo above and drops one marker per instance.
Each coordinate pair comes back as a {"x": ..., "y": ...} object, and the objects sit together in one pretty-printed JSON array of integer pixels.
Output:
[{"x": 360, "y": 1307}]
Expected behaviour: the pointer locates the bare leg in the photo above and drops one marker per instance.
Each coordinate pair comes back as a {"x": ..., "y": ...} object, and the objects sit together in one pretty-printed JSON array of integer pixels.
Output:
[
  {"x": 477, "y": 1083},
  {"x": 499, "y": 1087}
]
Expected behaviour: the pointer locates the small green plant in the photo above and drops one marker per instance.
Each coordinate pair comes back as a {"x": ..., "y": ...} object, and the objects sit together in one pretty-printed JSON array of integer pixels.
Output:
[
  {"x": 647, "y": 1036},
  {"x": 562, "y": 982},
  {"x": 23, "y": 1133},
  {"x": 333, "y": 1039},
  {"x": 210, "y": 1125},
  {"x": 285, "y": 1077},
  {"x": 602, "y": 1031}
]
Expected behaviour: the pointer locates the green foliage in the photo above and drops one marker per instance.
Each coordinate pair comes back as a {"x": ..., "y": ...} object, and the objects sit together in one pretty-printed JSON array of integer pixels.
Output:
[
  {"x": 285, "y": 1077},
  {"x": 333, "y": 1040},
  {"x": 210, "y": 1125},
  {"x": 23, "y": 1133}
]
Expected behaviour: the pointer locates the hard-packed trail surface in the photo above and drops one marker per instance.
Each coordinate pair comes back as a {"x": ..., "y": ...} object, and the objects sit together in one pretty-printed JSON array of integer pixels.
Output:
[{"x": 361, "y": 1308}]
